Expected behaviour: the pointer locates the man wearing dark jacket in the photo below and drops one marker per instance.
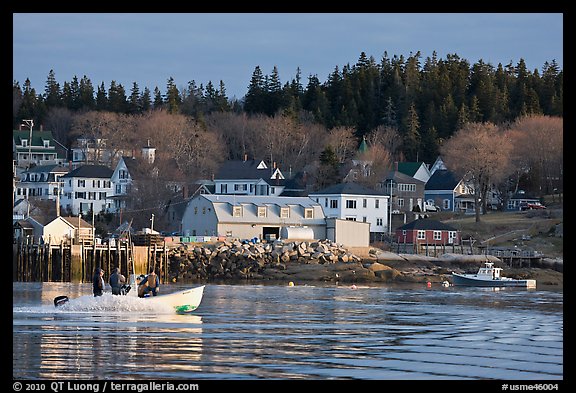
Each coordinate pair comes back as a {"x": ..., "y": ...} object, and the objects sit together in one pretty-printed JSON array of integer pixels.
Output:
[{"x": 98, "y": 282}]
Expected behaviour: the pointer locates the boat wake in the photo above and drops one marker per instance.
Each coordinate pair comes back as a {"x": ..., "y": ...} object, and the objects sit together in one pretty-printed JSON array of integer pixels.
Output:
[{"x": 105, "y": 303}]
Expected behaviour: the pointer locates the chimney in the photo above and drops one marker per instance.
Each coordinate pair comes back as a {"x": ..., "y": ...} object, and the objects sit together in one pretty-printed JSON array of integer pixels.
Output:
[
  {"x": 396, "y": 166},
  {"x": 245, "y": 157},
  {"x": 41, "y": 127}
]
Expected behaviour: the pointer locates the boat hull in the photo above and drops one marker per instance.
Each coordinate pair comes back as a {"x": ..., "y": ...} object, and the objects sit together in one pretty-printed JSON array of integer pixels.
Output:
[
  {"x": 184, "y": 301},
  {"x": 473, "y": 280}
]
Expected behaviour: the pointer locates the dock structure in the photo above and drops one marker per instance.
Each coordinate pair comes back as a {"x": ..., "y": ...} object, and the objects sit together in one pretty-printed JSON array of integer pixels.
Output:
[{"x": 65, "y": 262}]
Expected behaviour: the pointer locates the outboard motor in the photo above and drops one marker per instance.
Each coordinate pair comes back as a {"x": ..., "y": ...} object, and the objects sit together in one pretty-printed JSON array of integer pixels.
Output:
[{"x": 60, "y": 300}]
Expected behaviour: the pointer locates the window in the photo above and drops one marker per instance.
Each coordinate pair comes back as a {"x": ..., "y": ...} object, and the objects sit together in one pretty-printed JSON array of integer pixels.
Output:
[
  {"x": 451, "y": 236},
  {"x": 240, "y": 187},
  {"x": 400, "y": 202},
  {"x": 24, "y": 142},
  {"x": 325, "y": 202},
  {"x": 350, "y": 204},
  {"x": 284, "y": 212},
  {"x": 421, "y": 235},
  {"x": 308, "y": 212},
  {"x": 379, "y": 222},
  {"x": 350, "y": 218},
  {"x": 407, "y": 187},
  {"x": 446, "y": 204},
  {"x": 237, "y": 211},
  {"x": 195, "y": 209},
  {"x": 223, "y": 188},
  {"x": 377, "y": 203},
  {"x": 261, "y": 211},
  {"x": 333, "y": 203},
  {"x": 437, "y": 235},
  {"x": 81, "y": 183},
  {"x": 364, "y": 203},
  {"x": 364, "y": 219},
  {"x": 102, "y": 195},
  {"x": 46, "y": 143}
]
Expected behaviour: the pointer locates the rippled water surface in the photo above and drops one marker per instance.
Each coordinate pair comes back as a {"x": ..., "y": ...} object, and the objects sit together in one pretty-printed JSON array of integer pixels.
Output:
[{"x": 301, "y": 332}]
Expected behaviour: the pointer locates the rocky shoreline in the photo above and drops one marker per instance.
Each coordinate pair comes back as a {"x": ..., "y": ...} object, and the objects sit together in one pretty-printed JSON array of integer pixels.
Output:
[{"x": 305, "y": 261}]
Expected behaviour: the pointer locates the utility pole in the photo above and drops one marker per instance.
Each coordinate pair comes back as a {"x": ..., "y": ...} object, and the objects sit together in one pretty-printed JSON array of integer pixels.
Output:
[
  {"x": 390, "y": 208},
  {"x": 30, "y": 124},
  {"x": 152, "y": 225}
]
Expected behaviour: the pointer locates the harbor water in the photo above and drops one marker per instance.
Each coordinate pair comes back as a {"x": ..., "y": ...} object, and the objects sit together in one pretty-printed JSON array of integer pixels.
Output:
[{"x": 276, "y": 331}]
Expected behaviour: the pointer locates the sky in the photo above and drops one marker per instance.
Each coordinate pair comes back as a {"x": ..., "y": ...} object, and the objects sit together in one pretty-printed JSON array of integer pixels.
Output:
[{"x": 149, "y": 48}]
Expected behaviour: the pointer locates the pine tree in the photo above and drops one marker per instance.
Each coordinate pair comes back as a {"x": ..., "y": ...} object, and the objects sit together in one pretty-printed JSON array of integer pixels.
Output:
[
  {"x": 134, "y": 100},
  {"x": 254, "y": 101},
  {"x": 173, "y": 99},
  {"x": 158, "y": 100},
  {"x": 101, "y": 98},
  {"x": 145, "y": 102},
  {"x": 86, "y": 94},
  {"x": 52, "y": 96}
]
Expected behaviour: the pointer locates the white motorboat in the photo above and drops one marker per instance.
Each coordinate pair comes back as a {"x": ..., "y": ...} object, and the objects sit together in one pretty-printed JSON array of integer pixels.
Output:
[{"x": 490, "y": 276}]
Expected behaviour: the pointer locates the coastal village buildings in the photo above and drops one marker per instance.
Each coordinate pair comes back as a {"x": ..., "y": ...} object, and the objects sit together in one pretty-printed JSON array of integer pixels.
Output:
[
  {"x": 354, "y": 202},
  {"x": 251, "y": 216},
  {"x": 87, "y": 189},
  {"x": 249, "y": 177},
  {"x": 36, "y": 147}
]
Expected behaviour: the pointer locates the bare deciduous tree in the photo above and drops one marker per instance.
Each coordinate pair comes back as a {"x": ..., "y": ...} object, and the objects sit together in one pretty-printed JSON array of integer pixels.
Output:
[
  {"x": 538, "y": 149},
  {"x": 479, "y": 153}
]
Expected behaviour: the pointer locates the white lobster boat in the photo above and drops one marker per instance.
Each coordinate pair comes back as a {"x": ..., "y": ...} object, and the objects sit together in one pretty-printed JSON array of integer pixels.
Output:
[
  {"x": 490, "y": 276},
  {"x": 184, "y": 301}
]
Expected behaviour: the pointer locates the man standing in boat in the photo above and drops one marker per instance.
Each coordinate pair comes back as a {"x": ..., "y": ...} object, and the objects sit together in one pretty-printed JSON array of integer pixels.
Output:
[
  {"x": 117, "y": 282},
  {"x": 98, "y": 282}
]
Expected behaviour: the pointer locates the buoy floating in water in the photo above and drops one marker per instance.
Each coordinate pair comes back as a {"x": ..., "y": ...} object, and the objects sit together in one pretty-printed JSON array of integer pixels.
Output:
[
  {"x": 429, "y": 284},
  {"x": 353, "y": 287},
  {"x": 290, "y": 284},
  {"x": 445, "y": 284}
]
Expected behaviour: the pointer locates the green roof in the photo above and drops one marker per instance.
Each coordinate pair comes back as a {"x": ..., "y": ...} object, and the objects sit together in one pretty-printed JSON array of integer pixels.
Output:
[
  {"x": 37, "y": 137},
  {"x": 409, "y": 168},
  {"x": 363, "y": 146}
]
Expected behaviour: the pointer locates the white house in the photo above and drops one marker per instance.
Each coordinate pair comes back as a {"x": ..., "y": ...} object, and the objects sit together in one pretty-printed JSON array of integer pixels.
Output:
[
  {"x": 41, "y": 182},
  {"x": 249, "y": 216},
  {"x": 249, "y": 177},
  {"x": 354, "y": 202},
  {"x": 53, "y": 230},
  {"x": 87, "y": 188},
  {"x": 36, "y": 148}
]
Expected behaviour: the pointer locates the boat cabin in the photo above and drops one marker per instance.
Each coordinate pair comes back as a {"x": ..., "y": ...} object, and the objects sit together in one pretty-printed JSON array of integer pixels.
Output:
[{"x": 489, "y": 271}]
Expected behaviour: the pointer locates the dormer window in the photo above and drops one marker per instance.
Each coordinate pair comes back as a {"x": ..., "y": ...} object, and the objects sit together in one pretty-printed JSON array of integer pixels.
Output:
[
  {"x": 46, "y": 143},
  {"x": 24, "y": 142}
]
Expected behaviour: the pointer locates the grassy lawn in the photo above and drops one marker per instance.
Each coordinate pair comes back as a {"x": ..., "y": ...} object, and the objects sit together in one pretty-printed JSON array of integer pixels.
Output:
[{"x": 534, "y": 229}]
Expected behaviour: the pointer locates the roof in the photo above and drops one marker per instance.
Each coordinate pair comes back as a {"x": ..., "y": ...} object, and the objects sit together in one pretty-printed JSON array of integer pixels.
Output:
[
  {"x": 37, "y": 136},
  {"x": 347, "y": 188},
  {"x": 402, "y": 178},
  {"x": 240, "y": 169},
  {"x": 363, "y": 146},
  {"x": 260, "y": 200},
  {"x": 90, "y": 171},
  {"x": 410, "y": 168},
  {"x": 49, "y": 168},
  {"x": 427, "y": 225},
  {"x": 442, "y": 179}
]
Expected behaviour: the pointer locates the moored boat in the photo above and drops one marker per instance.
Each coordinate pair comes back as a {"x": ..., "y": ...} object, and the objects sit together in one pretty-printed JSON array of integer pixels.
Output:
[{"x": 490, "y": 276}]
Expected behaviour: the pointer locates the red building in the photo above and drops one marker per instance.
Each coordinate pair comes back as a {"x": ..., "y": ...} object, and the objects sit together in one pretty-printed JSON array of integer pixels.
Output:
[{"x": 430, "y": 232}]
